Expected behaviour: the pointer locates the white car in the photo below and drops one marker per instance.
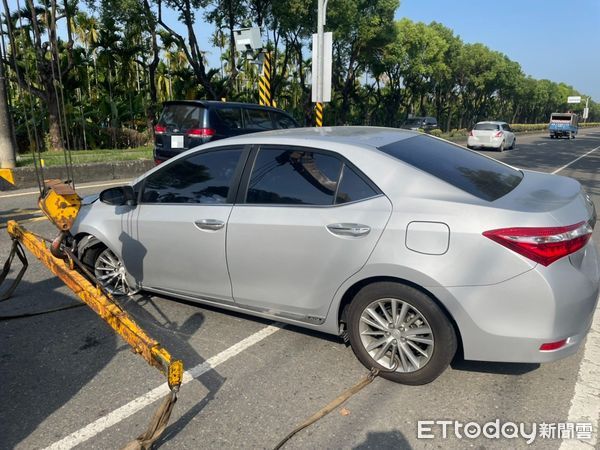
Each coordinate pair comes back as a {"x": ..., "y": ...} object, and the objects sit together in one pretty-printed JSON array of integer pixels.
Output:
[{"x": 497, "y": 135}]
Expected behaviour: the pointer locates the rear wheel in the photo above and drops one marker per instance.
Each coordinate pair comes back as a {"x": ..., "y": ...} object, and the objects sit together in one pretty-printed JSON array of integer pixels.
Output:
[
  {"x": 110, "y": 272},
  {"x": 393, "y": 323}
]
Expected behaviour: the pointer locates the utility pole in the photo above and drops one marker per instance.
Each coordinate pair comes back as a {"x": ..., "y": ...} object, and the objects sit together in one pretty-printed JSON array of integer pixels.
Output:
[
  {"x": 7, "y": 149},
  {"x": 321, "y": 69},
  {"x": 321, "y": 11}
]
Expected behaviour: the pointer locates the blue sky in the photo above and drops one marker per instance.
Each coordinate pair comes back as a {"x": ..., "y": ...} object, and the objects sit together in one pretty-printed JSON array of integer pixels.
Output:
[{"x": 554, "y": 39}]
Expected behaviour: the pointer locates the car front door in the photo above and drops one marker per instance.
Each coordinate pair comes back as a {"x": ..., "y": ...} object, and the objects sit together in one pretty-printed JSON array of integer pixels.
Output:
[
  {"x": 182, "y": 223},
  {"x": 306, "y": 221}
]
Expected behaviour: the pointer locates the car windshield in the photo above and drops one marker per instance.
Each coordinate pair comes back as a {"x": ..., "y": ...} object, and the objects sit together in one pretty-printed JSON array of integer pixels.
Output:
[
  {"x": 487, "y": 127},
  {"x": 414, "y": 121},
  {"x": 467, "y": 170},
  {"x": 181, "y": 117}
]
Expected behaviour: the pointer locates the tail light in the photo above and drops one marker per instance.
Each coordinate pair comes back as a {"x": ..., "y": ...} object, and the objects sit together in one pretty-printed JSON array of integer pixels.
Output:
[
  {"x": 498, "y": 134},
  {"x": 200, "y": 132},
  {"x": 158, "y": 161},
  {"x": 549, "y": 346},
  {"x": 543, "y": 245},
  {"x": 160, "y": 129}
]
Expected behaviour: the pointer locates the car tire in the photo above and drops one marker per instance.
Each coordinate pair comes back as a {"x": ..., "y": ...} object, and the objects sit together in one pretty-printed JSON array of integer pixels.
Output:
[
  {"x": 414, "y": 311},
  {"x": 501, "y": 148},
  {"x": 103, "y": 262},
  {"x": 513, "y": 145}
]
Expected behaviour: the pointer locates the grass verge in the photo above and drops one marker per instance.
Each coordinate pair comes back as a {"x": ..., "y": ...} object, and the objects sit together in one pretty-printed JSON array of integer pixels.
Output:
[{"x": 87, "y": 156}]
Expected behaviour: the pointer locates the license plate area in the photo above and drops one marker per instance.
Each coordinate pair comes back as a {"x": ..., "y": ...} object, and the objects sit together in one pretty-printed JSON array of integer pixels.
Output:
[{"x": 176, "y": 141}]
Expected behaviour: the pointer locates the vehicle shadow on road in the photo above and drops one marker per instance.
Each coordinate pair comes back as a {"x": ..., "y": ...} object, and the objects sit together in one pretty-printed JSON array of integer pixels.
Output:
[
  {"x": 384, "y": 439},
  {"x": 493, "y": 367},
  {"x": 146, "y": 311},
  {"x": 46, "y": 360}
]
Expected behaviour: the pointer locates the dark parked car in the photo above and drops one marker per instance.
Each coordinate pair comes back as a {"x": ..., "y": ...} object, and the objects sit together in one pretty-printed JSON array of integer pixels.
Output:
[
  {"x": 424, "y": 123},
  {"x": 188, "y": 123}
]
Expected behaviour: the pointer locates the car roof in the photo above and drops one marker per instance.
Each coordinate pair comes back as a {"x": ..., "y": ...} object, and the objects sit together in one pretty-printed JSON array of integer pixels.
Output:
[
  {"x": 367, "y": 137},
  {"x": 494, "y": 122},
  {"x": 220, "y": 104}
]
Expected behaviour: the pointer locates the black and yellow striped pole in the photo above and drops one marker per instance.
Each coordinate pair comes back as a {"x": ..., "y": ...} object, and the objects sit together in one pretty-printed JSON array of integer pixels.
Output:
[
  {"x": 319, "y": 114},
  {"x": 264, "y": 83}
]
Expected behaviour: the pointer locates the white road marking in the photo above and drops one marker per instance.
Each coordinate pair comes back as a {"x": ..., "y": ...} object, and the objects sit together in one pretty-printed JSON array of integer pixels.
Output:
[
  {"x": 585, "y": 404},
  {"x": 125, "y": 411},
  {"x": 575, "y": 160},
  {"x": 543, "y": 143},
  {"x": 87, "y": 186}
]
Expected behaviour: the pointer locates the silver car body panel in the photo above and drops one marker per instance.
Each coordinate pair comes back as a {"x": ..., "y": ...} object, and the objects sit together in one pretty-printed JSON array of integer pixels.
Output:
[
  {"x": 285, "y": 264},
  {"x": 316, "y": 262},
  {"x": 196, "y": 263}
]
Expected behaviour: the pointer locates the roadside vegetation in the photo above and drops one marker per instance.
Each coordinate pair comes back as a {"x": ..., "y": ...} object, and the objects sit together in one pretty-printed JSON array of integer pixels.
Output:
[
  {"x": 88, "y": 156},
  {"x": 93, "y": 74}
]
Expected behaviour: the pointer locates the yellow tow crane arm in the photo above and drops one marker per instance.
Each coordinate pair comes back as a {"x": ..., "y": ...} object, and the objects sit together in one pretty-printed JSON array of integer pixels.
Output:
[
  {"x": 60, "y": 203},
  {"x": 102, "y": 304}
]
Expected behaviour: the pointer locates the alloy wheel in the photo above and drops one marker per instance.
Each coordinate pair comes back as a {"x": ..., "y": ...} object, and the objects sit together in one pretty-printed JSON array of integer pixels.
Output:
[
  {"x": 111, "y": 274},
  {"x": 392, "y": 330}
]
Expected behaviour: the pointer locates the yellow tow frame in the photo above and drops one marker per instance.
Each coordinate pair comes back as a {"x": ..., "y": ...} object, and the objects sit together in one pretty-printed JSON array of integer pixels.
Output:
[{"x": 100, "y": 302}]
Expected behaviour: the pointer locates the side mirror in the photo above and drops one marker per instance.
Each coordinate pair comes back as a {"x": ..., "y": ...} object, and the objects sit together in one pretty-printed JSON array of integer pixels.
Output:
[{"x": 118, "y": 196}]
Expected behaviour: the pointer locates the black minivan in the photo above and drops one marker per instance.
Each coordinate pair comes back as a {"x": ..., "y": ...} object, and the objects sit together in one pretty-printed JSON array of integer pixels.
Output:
[{"x": 185, "y": 124}]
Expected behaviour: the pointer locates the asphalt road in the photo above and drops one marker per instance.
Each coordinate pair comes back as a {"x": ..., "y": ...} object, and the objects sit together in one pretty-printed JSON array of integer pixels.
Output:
[{"x": 63, "y": 375}]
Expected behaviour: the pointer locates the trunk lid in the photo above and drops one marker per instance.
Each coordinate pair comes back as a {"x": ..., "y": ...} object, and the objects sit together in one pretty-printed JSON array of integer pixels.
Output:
[{"x": 561, "y": 197}]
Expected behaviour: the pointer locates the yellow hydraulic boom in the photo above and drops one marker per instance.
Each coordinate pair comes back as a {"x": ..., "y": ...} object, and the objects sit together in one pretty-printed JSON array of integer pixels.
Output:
[{"x": 60, "y": 203}]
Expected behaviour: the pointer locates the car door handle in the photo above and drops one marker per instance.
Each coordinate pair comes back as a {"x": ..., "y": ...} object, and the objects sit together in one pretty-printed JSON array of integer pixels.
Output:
[
  {"x": 349, "y": 229},
  {"x": 209, "y": 224}
]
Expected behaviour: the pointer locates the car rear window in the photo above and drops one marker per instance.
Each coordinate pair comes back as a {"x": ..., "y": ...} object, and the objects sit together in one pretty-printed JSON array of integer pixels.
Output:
[
  {"x": 561, "y": 117},
  {"x": 487, "y": 127},
  {"x": 180, "y": 118},
  {"x": 465, "y": 169}
]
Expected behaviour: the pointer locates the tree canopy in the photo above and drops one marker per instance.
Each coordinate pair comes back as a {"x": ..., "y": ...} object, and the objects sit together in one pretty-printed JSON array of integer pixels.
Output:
[{"x": 94, "y": 74}]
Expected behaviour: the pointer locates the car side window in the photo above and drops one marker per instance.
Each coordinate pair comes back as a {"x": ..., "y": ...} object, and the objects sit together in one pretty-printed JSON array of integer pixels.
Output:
[
  {"x": 291, "y": 176},
  {"x": 201, "y": 178},
  {"x": 230, "y": 117},
  {"x": 352, "y": 187},
  {"x": 283, "y": 121},
  {"x": 257, "y": 119}
]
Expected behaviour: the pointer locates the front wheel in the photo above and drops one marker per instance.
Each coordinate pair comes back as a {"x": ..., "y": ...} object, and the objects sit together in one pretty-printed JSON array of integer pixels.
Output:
[
  {"x": 391, "y": 323},
  {"x": 110, "y": 272},
  {"x": 501, "y": 148}
]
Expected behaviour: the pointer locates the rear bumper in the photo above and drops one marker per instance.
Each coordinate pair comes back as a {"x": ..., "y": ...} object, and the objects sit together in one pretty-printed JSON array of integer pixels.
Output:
[
  {"x": 473, "y": 141},
  {"x": 161, "y": 155},
  {"x": 509, "y": 321}
]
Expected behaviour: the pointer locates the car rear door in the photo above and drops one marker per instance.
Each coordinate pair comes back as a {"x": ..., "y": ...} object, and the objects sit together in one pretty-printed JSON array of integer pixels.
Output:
[
  {"x": 181, "y": 224},
  {"x": 306, "y": 220}
]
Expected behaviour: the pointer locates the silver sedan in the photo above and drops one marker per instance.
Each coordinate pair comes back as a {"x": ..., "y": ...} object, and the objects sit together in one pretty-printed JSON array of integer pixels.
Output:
[{"x": 408, "y": 246}]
